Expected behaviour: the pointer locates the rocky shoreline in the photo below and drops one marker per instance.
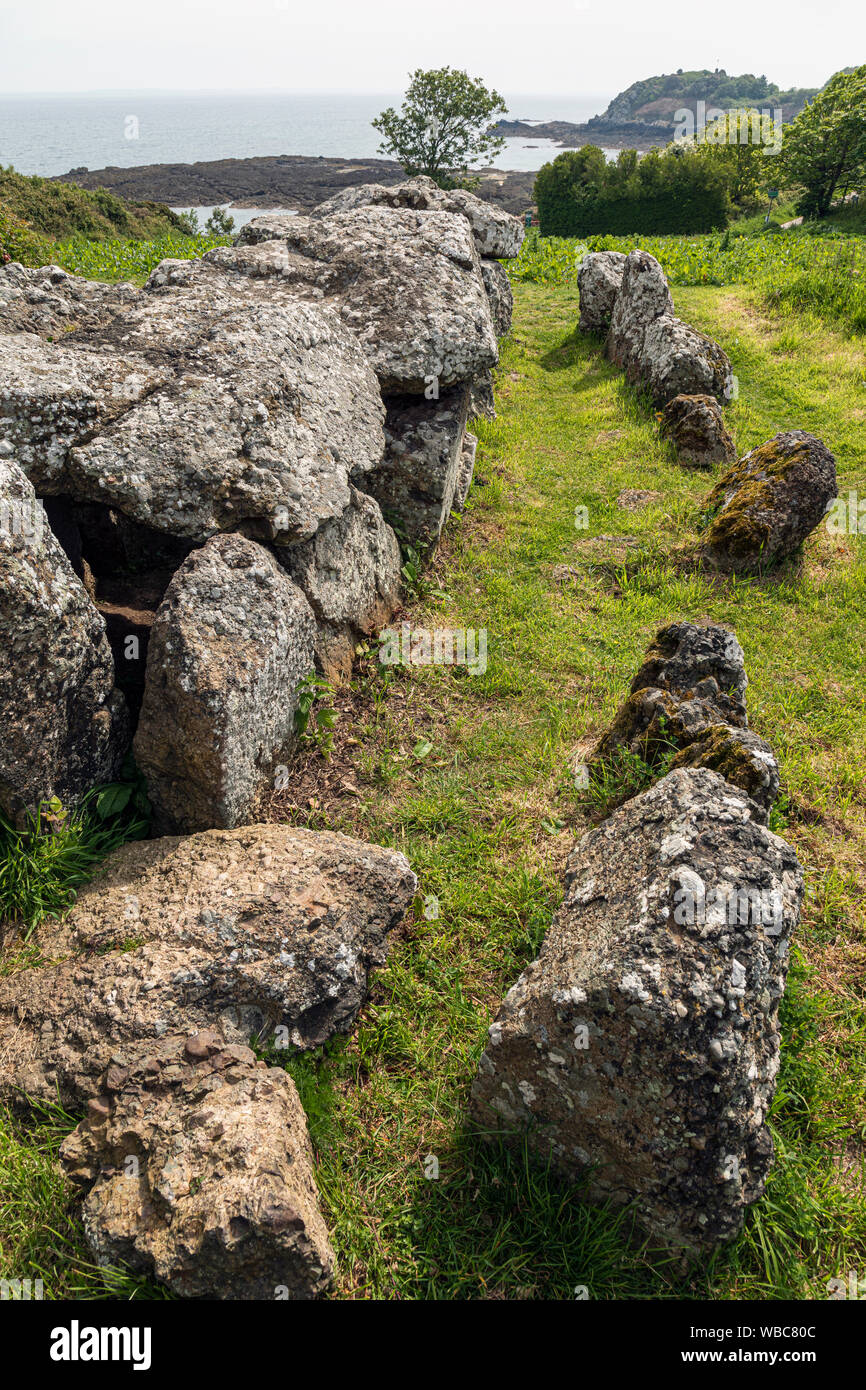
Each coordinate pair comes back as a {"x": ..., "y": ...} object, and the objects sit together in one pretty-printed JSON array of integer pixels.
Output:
[{"x": 295, "y": 182}]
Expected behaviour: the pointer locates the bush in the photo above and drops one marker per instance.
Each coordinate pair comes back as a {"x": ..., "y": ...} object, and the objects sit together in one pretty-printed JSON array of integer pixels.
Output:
[{"x": 679, "y": 191}]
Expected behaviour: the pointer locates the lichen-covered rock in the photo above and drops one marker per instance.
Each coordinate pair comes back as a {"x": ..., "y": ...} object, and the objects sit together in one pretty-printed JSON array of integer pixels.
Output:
[
  {"x": 686, "y": 708},
  {"x": 698, "y": 431},
  {"x": 639, "y": 1052},
  {"x": 417, "y": 479},
  {"x": 407, "y": 283},
  {"x": 741, "y": 757},
  {"x": 350, "y": 574},
  {"x": 643, "y": 296},
  {"x": 465, "y": 471},
  {"x": 496, "y": 232},
  {"x": 52, "y": 398},
  {"x": 764, "y": 507},
  {"x": 231, "y": 641},
  {"x": 271, "y": 405},
  {"x": 51, "y": 302},
  {"x": 599, "y": 278},
  {"x": 675, "y": 359},
  {"x": 266, "y": 931},
  {"x": 500, "y": 295},
  {"x": 482, "y": 401},
  {"x": 199, "y": 1172},
  {"x": 63, "y": 726}
]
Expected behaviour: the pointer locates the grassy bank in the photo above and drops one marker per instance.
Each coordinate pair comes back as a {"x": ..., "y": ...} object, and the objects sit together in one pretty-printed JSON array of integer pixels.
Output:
[
  {"x": 88, "y": 232},
  {"x": 471, "y": 778}
]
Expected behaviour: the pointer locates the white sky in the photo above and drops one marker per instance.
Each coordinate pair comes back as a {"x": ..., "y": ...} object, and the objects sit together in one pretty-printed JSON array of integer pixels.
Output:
[{"x": 532, "y": 46}]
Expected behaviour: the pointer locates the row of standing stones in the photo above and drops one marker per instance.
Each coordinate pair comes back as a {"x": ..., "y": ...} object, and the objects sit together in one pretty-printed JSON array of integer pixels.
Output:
[
  {"x": 638, "y": 1054},
  {"x": 213, "y": 459}
]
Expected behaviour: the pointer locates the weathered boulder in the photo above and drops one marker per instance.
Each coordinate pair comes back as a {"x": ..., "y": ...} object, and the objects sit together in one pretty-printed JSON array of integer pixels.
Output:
[
  {"x": 656, "y": 349},
  {"x": 417, "y": 479},
  {"x": 206, "y": 402},
  {"x": 482, "y": 401},
  {"x": 686, "y": 707},
  {"x": 350, "y": 574},
  {"x": 52, "y": 398},
  {"x": 265, "y": 931},
  {"x": 675, "y": 359},
  {"x": 51, "y": 302},
  {"x": 640, "y": 1050},
  {"x": 500, "y": 295},
  {"x": 271, "y": 405},
  {"x": 407, "y": 283},
  {"x": 698, "y": 431},
  {"x": 496, "y": 232},
  {"x": 230, "y": 643},
  {"x": 465, "y": 471},
  {"x": 63, "y": 726},
  {"x": 599, "y": 278},
  {"x": 199, "y": 1173},
  {"x": 769, "y": 502},
  {"x": 643, "y": 296}
]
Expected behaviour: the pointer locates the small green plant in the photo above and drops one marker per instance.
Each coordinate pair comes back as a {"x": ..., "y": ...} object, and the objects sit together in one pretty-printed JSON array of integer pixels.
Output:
[
  {"x": 46, "y": 859},
  {"x": 314, "y": 722}
]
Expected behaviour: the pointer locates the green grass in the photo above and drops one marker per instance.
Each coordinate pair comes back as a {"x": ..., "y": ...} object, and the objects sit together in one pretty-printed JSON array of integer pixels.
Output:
[
  {"x": 487, "y": 816},
  {"x": 45, "y": 860}
]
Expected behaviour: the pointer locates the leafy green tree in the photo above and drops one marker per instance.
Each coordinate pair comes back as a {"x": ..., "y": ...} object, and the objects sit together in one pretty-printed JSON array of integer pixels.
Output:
[
  {"x": 443, "y": 126},
  {"x": 220, "y": 223},
  {"x": 825, "y": 147}
]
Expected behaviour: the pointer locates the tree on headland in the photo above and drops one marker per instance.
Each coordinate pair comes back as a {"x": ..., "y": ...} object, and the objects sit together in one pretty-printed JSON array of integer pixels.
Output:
[
  {"x": 825, "y": 147},
  {"x": 443, "y": 126}
]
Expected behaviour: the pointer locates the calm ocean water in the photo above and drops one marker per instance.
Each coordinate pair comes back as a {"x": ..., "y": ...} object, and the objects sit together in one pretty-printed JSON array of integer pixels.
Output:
[{"x": 53, "y": 134}]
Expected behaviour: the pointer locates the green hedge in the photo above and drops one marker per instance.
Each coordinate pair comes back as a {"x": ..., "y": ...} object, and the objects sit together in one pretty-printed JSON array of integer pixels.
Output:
[{"x": 677, "y": 192}]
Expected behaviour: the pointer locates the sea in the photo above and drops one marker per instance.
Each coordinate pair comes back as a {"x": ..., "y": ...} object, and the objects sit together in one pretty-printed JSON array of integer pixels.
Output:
[{"x": 45, "y": 134}]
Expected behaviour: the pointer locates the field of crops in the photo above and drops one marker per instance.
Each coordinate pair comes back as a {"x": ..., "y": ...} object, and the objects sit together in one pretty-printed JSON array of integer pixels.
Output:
[{"x": 820, "y": 274}]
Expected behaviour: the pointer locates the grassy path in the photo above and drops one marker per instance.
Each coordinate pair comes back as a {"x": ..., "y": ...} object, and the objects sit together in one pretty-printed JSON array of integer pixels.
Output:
[{"x": 471, "y": 777}]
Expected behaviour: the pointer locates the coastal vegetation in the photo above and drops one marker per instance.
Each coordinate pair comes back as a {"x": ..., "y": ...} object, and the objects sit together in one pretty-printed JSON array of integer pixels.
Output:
[{"x": 443, "y": 126}]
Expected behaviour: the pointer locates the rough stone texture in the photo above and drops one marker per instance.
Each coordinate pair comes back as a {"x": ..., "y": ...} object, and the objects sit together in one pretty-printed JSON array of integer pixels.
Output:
[
  {"x": 500, "y": 295},
  {"x": 769, "y": 502},
  {"x": 482, "y": 402},
  {"x": 696, "y": 426},
  {"x": 199, "y": 1170},
  {"x": 675, "y": 359},
  {"x": 253, "y": 930},
  {"x": 51, "y": 302},
  {"x": 210, "y": 403},
  {"x": 644, "y": 295},
  {"x": 417, "y": 479},
  {"x": 656, "y": 349},
  {"x": 52, "y": 399},
  {"x": 63, "y": 726},
  {"x": 465, "y": 471},
  {"x": 496, "y": 232},
  {"x": 599, "y": 278},
  {"x": 350, "y": 574},
  {"x": 230, "y": 642},
  {"x": 645, "y": 1038},
  {"x": 688, "y": 698},
  {"x": 407, "y": 283}
]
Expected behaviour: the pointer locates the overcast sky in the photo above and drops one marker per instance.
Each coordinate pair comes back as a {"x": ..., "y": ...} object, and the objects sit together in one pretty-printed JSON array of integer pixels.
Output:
[{"x": 532, "y": 46}]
